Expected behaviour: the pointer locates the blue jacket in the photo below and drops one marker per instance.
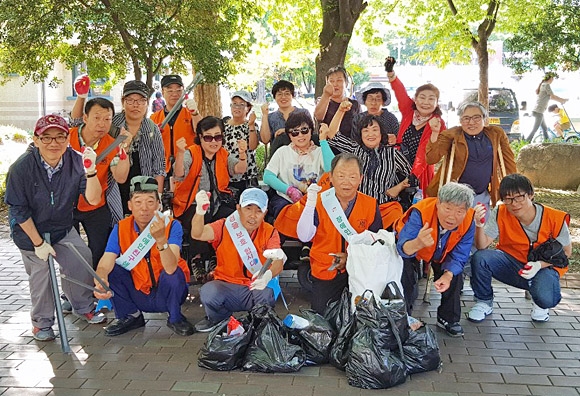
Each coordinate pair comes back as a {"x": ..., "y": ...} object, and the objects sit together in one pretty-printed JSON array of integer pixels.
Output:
[{"x": 49, "y": 203}]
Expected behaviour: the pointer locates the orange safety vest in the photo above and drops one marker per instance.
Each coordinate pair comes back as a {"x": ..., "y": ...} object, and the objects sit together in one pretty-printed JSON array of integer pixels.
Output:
[
  {"x": 141, "y": 273},
  {"x": 327, "y": 239},
  {"x": 230, "y": 267},
  {"x": 186, "y": 189},
  {"x": 390, "y": 213},
  {"x": 287, "y": 219},
  {"x": 183, "y": 127},
  {"x": 514, "y": 241},
  {"x": 428, "y": 210},
  {"x": 102, "y": 167}
]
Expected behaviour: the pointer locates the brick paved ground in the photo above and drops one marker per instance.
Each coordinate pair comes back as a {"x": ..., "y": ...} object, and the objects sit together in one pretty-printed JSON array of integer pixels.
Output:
[{"x": 505, "y": 355}]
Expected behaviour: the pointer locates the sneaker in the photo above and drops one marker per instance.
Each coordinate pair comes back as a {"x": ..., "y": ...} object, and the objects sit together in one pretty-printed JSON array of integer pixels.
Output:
[
  {"x": 205, "y": 326},
  {"x": 121, "y": 326},
  {"x": 66, "y": 305},
  {"x": 44, "y": 334},
  {"x": 479, "y": 311},
  {"x": 182, "y": 328},
  {"x": 453, "y": 329},
  {"x": 540, "y": 314},
  {"x": 93, "y": 317},
  {"x": 305, "y": 253}
]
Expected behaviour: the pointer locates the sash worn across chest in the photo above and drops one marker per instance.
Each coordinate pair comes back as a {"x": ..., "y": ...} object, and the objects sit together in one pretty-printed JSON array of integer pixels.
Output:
[{"x": 336, "y": 214}]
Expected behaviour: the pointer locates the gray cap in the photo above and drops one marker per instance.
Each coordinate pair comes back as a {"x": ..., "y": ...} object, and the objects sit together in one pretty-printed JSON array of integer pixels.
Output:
[
  {"x": 244, "y": 95},
  {"x": 375, "y": 86},
  {"x": 143, "y": 183}
]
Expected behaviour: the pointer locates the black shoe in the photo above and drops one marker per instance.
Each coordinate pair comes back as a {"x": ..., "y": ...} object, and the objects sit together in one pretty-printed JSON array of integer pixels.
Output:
[
  {"x": 205, "y": 325},
  {"x": 121, "y": 326},
  {"x": 305, "y": 253},
  {"x": 453, "y": 329},
  {"x": 182, "y": 328}
]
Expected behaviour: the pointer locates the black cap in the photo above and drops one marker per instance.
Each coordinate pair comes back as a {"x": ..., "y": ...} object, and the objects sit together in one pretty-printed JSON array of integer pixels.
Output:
[
  {"x": 136, "y": 86},
  {"x": 171, "y": 79}
]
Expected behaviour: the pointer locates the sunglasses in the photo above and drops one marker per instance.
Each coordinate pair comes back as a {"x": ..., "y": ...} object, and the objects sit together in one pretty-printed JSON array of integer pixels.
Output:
[
  {"x": 209, "y": 138},
  {"x": 297, "y": 131}
]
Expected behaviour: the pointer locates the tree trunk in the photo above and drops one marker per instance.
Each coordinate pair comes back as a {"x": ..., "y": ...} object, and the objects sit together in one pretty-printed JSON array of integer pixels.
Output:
[
  {"x": 483, "y": 62},
  {"x": 208, "y": 100},
  {"x": 338, "y": 20}
]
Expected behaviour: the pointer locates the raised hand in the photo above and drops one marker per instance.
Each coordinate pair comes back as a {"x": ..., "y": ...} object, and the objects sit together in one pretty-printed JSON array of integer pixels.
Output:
[
  {"x": 191, "y": 105},
  {"x": 82, "y": 85},
  {"x": 480, "y": 212},
  {"x": 435, "y": 124},
  {"x": 242, "y": 146},
  {"x": 312, "y": 194},
  {"x": 89, "y": 160},
  {"x": 181, "y": 144},
  {"x": 157, "y": 228},
  {"x": 265, "y": 108},
  {"x": 323, "y": 132},
  {"x": 202, "y": 202},
  {"x": 251, "y": 119},
  {"x": 345, "y": 105},
  {"x": 328, "y": 89},
  {"x": 389, "y": 63},
  {"x": 424, "y": 238},
  {"x": 294, "y": 194}
]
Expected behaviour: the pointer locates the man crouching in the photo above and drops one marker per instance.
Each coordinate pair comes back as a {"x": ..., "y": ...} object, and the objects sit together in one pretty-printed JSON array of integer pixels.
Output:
[{"x": 150, "y": 274}]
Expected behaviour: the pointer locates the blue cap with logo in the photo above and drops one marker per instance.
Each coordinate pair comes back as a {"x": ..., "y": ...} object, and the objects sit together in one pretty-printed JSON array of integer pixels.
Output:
[{"x": 254, "y": 196}]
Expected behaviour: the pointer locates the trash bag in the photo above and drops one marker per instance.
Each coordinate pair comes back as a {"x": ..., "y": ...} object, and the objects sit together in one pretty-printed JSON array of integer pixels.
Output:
[
  {"x": 269, "y": 350},
  {"x": 223, "y": 352},
  {"x": 421, "y": 351},
  {"x": 339, "y": 312},
  {"x": 372, "y": 367},
  {"x": 340, "y": 349},
  {"x": 316, "y": 339},
  {"x": 389, "y": 317}
]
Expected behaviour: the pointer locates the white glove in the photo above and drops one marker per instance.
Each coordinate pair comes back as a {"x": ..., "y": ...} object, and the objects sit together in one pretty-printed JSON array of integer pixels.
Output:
[
  {"x": 261, "y": 282},
  {"x": 202, "y": 202},
  {"x": 312, "y": 194},
  {"x": 89, "y": 160},
  {"x": 274, "y": 254},
  {"x": 44, "y": 250},
  {"x": 531, "y": 269},
  {"x": 191, "y": 105}
]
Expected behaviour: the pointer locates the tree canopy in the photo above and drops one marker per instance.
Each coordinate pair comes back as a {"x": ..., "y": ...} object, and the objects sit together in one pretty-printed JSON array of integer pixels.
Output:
[
  {"x": 551, "y": 41},
  {"x": 106, "y": 36}
]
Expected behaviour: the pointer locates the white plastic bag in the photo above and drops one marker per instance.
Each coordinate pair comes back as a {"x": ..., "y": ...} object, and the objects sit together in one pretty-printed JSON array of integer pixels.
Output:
[{"x": 372, "y": 262}]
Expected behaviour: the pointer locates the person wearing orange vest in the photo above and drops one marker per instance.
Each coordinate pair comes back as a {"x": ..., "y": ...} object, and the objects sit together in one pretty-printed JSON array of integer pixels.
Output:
[
  {"x": 243, "y": 242},
  {"x": 158, "y": 279},
  {"x": 441, "y": 231},
  {"x": 94, "y": 133},
  {"x": 207, "y": 166},
  {"x": 183, "y": 122},
  {"x": 519, "y": 225},
  {"x": 327, "y": 219}
]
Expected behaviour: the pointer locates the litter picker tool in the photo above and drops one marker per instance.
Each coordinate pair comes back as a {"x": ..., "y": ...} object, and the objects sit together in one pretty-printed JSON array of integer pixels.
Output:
[
  {"x": 59, "y": 316},
  {"x": 90, "y": 269},
  {"x": 264, "y": 268},
  {"x": 118, "y": 140},
  {"x": 196, "y": 80}
]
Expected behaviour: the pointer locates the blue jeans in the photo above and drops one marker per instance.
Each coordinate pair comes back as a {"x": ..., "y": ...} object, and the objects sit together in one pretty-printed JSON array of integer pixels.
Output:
[
  {"x": 220, "y": 299},
  {"x": 487, "y": 264}
]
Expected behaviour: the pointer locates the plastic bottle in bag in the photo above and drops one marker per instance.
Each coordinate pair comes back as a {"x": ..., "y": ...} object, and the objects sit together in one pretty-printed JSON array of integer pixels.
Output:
[
  {"x": 295, "y": 322},
  {"x": 418, "y": 196}
]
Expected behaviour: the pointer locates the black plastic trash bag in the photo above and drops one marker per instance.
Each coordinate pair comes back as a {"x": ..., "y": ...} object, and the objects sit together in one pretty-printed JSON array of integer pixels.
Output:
[
  {"x": 316, "y": 339},
  {"x": 372, "y": 367},
  {"x": 223, "y": 352},
  {"x": 340, "y": 349},
  {"x": 421, "y": 351},
  {"x": 339, "y": 312},
  {"x": 384, "y": 315},
  {"x": 269, "y": 350}
]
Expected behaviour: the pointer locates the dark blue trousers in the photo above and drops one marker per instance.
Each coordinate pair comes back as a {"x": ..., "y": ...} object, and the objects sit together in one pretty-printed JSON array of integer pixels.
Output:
[{"x": 168, "y": 296}]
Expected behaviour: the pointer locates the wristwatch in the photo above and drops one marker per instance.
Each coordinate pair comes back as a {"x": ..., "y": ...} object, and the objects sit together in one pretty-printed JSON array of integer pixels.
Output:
[{"x": 162, "y": 248}]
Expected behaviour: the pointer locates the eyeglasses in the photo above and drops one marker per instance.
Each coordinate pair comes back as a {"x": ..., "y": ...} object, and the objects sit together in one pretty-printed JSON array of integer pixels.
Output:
[
  {"x": 475, "y": 118},
  {"x": 48, "y": 140},
  {"x": 515, "y": 198},
  {"x": 136, "y": 101},
  {"x": 174, "y": 91},
  {"x": 238, "y": 105},
  {"x": 297, "y": 131},
  {"x": 375, "y": 100},
  {"x": 284, "y": 93},
  {"x": 210, "y": 138}
]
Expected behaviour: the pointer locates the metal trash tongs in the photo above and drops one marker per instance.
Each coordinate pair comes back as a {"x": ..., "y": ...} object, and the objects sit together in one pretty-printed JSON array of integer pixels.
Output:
[
  {"x": 264, "y": 268},
  {"x": 91, "y": 271}
]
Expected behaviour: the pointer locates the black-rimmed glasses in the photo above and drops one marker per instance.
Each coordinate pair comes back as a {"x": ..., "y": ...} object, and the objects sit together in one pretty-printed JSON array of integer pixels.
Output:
[
  {"x": 515, "y": 198},
  {"x": 48, "y": 139}
]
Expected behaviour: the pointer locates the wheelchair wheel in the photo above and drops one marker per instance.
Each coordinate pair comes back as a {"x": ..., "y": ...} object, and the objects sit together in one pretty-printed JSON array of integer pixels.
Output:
[{"x": 305, "y": 277}]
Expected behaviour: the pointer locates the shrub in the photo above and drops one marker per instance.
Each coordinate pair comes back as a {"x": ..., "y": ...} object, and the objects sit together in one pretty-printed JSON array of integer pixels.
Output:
[
  {"x": 260, "y": 160},
  {"x": 517, "y": 145},
  {"x": 19, "y": 138}
]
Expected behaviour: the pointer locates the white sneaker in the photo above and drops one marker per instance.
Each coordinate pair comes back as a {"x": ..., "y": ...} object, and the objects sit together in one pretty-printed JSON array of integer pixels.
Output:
[
  {"x": 479, "y": 311},
  {"x": 540, "y": 314}
]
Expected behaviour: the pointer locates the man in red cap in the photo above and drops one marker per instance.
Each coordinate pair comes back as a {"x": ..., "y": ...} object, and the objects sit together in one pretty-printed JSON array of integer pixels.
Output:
[{"x": 42, "y": 190}]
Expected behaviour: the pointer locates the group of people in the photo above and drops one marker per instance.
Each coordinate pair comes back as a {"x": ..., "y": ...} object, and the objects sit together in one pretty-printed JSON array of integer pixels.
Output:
[{"x": 326, "y": 184}]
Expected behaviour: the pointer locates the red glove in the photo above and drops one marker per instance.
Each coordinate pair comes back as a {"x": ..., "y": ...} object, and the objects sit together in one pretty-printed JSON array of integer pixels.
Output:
[
  {"x": 122, "y": 154},
  {"x": 83, "y": 85}
]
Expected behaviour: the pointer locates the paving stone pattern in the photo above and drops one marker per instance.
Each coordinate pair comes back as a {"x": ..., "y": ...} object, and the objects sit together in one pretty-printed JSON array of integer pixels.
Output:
[{"x": 505, "y": 355}]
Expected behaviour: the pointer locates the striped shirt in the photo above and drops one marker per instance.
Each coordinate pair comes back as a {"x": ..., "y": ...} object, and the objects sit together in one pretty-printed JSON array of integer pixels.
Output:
[{"x": 383, "y": 168}]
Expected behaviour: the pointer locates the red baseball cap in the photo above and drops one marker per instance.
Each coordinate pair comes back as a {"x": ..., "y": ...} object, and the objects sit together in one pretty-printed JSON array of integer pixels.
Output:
[{"x": 50, "y": 121}]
